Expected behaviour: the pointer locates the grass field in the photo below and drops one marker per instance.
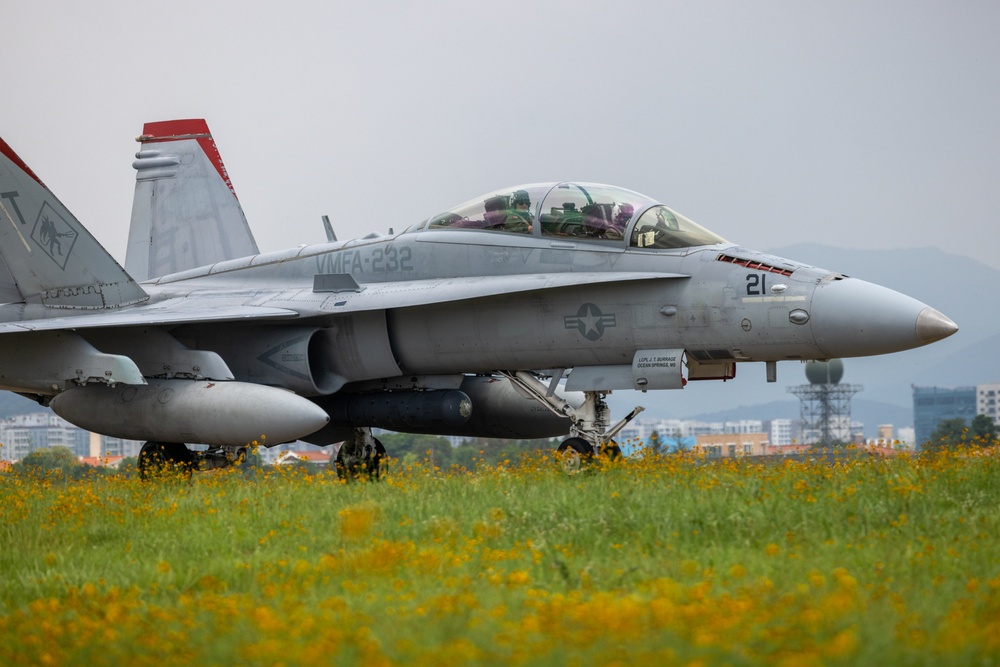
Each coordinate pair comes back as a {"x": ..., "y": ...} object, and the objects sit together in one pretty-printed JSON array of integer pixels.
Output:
[{"x": 661, "y": 561}]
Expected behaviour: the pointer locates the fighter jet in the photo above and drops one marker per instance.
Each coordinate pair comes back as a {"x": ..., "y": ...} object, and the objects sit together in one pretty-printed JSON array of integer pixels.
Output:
[{"x": 511, "y": 315}]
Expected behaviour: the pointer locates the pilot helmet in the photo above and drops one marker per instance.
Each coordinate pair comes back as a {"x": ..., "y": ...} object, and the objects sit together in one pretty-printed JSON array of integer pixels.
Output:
[{"x": 521, "y": 197}]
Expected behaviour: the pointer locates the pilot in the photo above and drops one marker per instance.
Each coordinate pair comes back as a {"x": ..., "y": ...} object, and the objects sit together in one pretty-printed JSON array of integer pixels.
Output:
[
  {"x": 518, "y": 217},
  {"x": 617, "y": 228},
  {"x": 624, "y": 214}
]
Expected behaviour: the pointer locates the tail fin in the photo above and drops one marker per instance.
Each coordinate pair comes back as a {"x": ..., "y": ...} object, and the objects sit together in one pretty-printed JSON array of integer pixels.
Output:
[
  {"x": 49, "y": 256},
  {"x": 185, "y": 212}
]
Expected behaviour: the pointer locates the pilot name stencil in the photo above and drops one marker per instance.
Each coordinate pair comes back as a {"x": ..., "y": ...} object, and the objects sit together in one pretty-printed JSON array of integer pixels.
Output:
[
  {"x": 590, "y": 321},
  {"x": 667, "y": 361}
]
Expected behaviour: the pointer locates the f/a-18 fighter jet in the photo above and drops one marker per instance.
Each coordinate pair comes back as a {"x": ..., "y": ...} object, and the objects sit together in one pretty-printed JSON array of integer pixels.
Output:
[{"x": 512, "y": 315}]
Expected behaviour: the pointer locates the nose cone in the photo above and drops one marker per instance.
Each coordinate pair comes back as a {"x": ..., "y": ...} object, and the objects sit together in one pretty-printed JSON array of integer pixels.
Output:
[
  {"x": 854, "y": 318},
  {"x": 933, "y": 325}
]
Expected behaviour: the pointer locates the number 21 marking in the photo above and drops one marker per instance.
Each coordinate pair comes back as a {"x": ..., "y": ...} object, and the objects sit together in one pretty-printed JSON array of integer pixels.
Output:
[{"x": 755, "y": 284}]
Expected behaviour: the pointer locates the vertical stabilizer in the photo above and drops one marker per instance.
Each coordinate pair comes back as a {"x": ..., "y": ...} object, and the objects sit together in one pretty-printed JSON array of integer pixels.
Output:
[
  {"x": 185, "y": 212},
  {"x": 48, "y": 256}
]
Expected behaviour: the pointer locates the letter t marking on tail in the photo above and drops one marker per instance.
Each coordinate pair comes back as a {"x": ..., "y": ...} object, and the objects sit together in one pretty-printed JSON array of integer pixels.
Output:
[{"x": 11, "y": 197}]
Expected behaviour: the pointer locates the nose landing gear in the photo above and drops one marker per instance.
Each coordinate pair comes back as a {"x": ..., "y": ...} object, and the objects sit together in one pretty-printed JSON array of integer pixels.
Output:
[{"x": 590, "y": 431}]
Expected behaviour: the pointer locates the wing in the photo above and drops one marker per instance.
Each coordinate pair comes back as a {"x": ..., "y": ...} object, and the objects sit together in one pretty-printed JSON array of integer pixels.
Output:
[
  {"x": 172, "y": 311},
  {"x": 347, "y": 297}
]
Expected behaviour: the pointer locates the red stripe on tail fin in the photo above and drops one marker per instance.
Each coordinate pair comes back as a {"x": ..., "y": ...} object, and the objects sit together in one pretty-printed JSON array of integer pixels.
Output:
[
  {"x": 189, "y": 128},
  {"x": 9, "y": 153}
]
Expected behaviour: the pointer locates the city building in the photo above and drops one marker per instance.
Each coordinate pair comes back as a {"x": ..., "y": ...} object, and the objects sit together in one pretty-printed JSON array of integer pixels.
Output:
[
  {"x": 673, "y": 434},
  {"x": 21, "y": 435},
  {"x": 743, "y": 426},
  {"x": 104, "y": 446},
  {"x": 720, "y": 445},
  {"x": 988, "y": 401},
  {"x": 274, "y": 455},
  {"x": 102, "y": 461},
  {"x": 318, "y": 458},
  {"x": 932, "y": 405},
  {"x": 780, "y": 432},
  {"x": 888, "y": 439}
]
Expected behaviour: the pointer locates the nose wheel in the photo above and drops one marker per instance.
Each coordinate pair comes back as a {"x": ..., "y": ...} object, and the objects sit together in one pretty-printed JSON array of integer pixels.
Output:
[
  {"x": 575, "y": 454},
  {"x": 590, "y": 430}
]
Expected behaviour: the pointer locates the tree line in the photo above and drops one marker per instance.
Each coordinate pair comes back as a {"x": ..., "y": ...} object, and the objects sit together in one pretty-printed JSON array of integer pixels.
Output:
[
  {"x": 956, "y": 432},
  {"x": 469, "y": 453}
]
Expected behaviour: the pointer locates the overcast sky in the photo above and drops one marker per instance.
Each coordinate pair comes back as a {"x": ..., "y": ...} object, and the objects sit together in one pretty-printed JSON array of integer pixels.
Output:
[{"x": 857, "y": 124}]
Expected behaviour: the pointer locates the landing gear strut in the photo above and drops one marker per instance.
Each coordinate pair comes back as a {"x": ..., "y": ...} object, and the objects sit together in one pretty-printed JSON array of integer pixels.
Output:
[
  {"x": 360, "y": 456},
  {"x": 590, "y": 431}
]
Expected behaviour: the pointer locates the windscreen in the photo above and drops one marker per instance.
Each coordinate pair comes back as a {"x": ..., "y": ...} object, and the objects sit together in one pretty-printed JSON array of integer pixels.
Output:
[{"x": 661, "y": 228}]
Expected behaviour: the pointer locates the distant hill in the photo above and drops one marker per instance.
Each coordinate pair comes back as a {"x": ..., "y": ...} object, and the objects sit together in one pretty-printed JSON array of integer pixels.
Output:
[
  {"x": 973, "y": 364},
  {"x": 763, "y": 411},
  {"x": 13, "y": 404}
]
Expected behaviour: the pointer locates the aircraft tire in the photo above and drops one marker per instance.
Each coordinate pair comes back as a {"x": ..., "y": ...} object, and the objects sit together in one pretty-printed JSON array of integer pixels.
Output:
[
  {"x": 241, "y": 457},
  {"x": 358, "y": 467},
  {"x": 157, "y": 459},
  {"x": 578, "y": 445},
  {"x": 574, "y": 454},
  {"x": 611, "y": 450}
]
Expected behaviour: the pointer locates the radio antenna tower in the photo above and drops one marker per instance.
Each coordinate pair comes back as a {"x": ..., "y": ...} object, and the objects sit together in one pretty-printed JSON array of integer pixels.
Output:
[{"x": 825, "y": 408}]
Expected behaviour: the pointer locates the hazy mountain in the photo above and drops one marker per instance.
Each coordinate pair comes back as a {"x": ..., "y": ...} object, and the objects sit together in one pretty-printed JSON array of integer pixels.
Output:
[
  {"x": 14, "y": 404},
  {"x": 974, "y": 364}
]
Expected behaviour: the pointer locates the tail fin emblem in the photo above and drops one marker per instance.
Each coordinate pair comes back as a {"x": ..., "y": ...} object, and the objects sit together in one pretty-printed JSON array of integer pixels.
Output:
[{"x": 54, "y": 235}]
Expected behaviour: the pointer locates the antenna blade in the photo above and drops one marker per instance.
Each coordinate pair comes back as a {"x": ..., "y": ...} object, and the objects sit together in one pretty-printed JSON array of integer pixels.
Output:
[{"x": 330, "y": 236}]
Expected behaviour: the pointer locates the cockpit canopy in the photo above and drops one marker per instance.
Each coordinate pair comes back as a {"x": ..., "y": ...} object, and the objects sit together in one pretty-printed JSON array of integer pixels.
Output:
[{"x": 583, "y": 211}]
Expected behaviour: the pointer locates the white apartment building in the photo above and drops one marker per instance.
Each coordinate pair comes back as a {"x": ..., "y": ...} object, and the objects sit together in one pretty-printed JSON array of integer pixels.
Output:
[
  {"x": 21, "y": 435},
  {"x": 988, "y": 401},
  {"x": 24, "y": 434},
  {"x": 780, "y": 432}
]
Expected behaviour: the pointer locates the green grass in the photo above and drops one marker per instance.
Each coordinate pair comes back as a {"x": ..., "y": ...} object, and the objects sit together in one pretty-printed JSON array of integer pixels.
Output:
[{"x": 665, "y": 561}]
